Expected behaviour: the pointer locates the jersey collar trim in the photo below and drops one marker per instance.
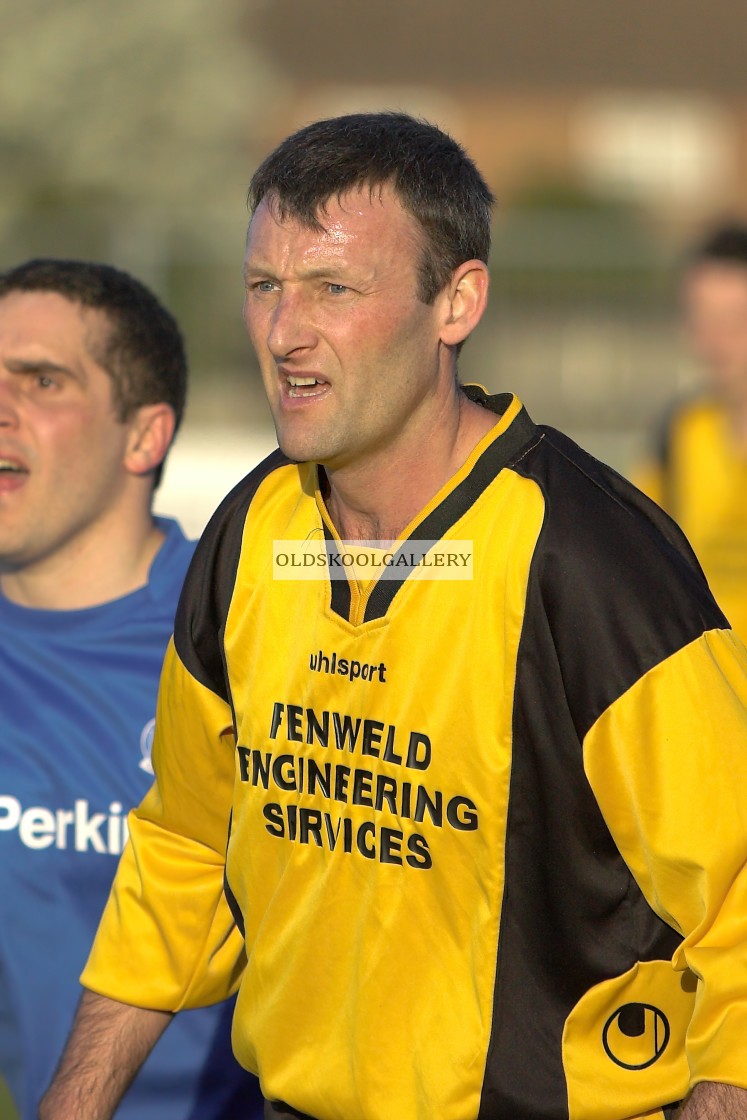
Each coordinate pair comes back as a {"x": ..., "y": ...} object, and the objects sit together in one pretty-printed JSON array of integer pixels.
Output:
[{"x": 506, "y": 444}]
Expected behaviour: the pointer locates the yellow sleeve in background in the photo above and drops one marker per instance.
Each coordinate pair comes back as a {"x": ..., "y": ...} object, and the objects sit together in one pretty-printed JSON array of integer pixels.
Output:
[{"x": 648, "y": 476}]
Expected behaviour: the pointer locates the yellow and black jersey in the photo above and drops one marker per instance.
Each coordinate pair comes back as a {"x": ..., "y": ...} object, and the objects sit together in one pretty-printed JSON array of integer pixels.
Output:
[
  {"x": 470, "y": 849},
  {"x": 699, "y": 476}
]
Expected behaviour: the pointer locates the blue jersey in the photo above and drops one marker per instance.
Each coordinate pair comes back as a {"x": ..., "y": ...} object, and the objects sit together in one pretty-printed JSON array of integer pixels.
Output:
[{"x": 77, "y": 705}]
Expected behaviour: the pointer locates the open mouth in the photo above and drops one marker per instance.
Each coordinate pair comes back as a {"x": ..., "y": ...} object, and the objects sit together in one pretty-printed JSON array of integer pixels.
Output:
[
  {"x": 305, "y": 386},
  {"x": 10, "y": 466}
]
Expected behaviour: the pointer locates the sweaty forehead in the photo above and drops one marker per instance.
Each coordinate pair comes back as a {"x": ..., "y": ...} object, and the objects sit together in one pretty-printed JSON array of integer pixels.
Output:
[{"x": 361, "y": 223}]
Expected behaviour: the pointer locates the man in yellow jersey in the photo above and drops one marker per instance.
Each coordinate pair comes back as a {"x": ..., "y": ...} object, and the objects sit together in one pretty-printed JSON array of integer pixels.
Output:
[
  {"x": 699, "y": 474},
  {"x": 468, "y": 835}
]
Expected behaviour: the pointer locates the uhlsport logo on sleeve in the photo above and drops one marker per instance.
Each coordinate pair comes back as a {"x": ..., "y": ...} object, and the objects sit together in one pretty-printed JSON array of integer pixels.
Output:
[
  {"x": 636, "y": 1035},
  {"x": 319, "y": 559}
]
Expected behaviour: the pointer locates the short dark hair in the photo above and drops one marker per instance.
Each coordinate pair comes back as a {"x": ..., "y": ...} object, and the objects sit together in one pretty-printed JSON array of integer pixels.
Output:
[
  {"x": 724, "y": 244},
  {"x": 143, "y": 352},
  {"x": 431, "y": 174}
]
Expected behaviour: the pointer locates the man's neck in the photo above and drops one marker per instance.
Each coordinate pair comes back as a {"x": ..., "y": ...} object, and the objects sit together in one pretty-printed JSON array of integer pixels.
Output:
[
  {"x": 89, "y": 572},
  {"x": 377, "y": 499}
]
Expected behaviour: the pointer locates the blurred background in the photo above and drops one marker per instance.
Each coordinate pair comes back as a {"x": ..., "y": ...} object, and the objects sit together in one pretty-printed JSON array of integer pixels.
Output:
[{"x": 611, "y": 134}]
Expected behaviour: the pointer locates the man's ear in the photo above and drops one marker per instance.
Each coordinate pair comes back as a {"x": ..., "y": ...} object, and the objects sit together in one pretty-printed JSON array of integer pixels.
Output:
[
  {"x": 466, "y": 298},
  {"x": 151, "y": 432}
]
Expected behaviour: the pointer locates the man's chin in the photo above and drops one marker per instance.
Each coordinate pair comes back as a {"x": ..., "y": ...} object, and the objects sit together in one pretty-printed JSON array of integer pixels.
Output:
[
  {"x": 302, "y": 450},
  {"x": 294, "y": 452}
]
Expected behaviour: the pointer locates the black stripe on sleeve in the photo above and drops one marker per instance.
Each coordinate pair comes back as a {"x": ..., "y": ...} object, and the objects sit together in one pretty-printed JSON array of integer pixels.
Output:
[
  {"x": 231, "y": 898},
  {"x": 208, "y": 587},
  {"x": 614, "y": 590}
]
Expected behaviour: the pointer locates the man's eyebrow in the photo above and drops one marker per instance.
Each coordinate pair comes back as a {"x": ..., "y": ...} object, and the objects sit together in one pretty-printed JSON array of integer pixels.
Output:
[
  {"x": 319, "y": 273},
  {"x": 37, "y": 365},
  {"x": 253, "y": 270}
]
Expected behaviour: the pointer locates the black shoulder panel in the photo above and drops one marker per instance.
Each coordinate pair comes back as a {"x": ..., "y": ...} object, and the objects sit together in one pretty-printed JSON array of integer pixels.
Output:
[
  {"x": 614, "y": 589},
  {"x": 614, "y": 579},
  {"x": 206, "y": 595}
]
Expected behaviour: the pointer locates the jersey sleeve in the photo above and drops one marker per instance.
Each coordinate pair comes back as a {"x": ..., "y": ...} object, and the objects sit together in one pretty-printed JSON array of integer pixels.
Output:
[
  {"x": 668, "y": 765},
  {"x": 167, "y": 939}
]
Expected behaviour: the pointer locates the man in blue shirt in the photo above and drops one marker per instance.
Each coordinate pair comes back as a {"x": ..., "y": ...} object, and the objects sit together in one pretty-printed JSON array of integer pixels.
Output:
[{"x": 92, "y": 389}]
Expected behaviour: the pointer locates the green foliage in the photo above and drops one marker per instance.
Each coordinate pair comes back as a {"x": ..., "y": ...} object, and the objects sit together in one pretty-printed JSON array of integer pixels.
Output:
[
  {"x": 566, "y": 242},
  {"x": 128, "y": 134},
  {"x": 146, "y": 101}
]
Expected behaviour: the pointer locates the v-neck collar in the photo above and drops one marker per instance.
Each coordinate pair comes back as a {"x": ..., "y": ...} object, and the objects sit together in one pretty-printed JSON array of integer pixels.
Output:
[{"x": 494, "y": 451}]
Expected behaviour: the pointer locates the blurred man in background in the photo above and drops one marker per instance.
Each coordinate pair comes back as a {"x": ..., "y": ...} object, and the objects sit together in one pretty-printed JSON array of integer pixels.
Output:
[
  {"x": 699, "y": 472},
  {"x": 93, "y": 381}
]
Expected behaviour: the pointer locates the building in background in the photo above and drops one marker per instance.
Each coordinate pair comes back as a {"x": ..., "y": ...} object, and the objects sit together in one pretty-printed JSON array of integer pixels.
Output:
[
  {"x": 640, "y": 102},
  {"x": 609, "y": 134}
]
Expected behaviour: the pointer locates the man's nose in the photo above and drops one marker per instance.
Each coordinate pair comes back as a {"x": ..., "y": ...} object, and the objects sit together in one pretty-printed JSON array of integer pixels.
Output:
[
  {"x": 291, "y": 325},
  {"x": 8, "y": 402}
]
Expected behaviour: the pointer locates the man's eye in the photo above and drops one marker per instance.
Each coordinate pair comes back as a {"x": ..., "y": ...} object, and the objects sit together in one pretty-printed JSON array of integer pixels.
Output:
[
  {"x": 264, "y": 286},
  {"x": 44, "y": 381},
  {"x": 338, "y": 289}
]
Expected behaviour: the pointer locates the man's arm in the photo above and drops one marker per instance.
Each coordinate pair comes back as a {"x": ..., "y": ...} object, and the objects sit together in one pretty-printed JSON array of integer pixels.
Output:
[
  {"x": 108, "y": 1043},
  {"x": 709, "y": 1101},
  {"x": 675, "y": 744}
]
